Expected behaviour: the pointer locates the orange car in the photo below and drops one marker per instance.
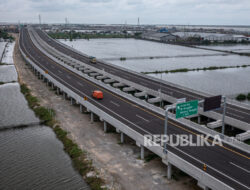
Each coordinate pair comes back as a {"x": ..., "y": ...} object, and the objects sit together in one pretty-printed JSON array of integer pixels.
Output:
[{"x": 97, "y": 94}]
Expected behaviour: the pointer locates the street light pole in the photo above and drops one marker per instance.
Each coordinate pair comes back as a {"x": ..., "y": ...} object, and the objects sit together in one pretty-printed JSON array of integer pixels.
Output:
[
  {"x": 224, "y": 114},
  {"x": 166, "y": 126},
  {"x": 166, "y": 130}
]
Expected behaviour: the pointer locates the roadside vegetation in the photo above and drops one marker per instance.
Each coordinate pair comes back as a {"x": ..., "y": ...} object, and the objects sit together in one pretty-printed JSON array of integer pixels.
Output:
[
  {"x": 79, "y": 158},
  {"x": 79, "y": 35},
  {"x": 6, "y": 36},
  {"x": 197, "y": 69},
  {"x": 123, "y": 59},
  {"x": 243, "y": 97}
]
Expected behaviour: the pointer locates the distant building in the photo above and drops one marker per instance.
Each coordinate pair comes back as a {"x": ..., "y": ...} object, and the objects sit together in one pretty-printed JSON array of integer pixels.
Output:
[
  {"x": 213, "y": 37},
  {"x": 163, "y": 37}
]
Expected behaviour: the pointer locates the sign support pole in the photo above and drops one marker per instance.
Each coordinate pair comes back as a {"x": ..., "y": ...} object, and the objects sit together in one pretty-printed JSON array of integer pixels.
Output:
[
  {"x": 166, "y": 127},
  {"x": 223, "y": 115}
]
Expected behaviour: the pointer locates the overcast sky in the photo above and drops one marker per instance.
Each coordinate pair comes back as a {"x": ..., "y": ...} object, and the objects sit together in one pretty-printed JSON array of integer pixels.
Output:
[{"x": 215, "y": 12}]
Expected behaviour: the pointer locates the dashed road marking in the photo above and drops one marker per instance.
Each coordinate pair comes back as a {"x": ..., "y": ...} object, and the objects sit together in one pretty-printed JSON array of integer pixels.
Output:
[{"x": 142, "y": 118}]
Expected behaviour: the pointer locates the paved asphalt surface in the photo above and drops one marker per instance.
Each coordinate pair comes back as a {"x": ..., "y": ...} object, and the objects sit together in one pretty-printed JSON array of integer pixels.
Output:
[
  {"x": 228, "y": 164},
  {"x": 232, "y": 111}
]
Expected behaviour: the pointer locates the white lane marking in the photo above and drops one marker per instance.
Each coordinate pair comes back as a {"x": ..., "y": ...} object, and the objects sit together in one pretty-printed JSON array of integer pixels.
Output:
[
  {"x": 68, "y": 77},
  {"x": 238, "y": 111},
  {"x": 240, "y": 167},
  {"x": 212, "y": 168},
  {"x": 59, "y": 71},
  {"x": 116, "y": 104},
  {"x": 142, "y": 118},
  {"x": 235, "y": 115},
  {"x": 142, "y": 128},
  {"x": 80, "y": 83},
  {"x": 83, "y": 94}
]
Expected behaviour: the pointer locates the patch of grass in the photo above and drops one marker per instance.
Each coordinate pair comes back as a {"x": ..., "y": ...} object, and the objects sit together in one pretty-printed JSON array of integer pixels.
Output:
[
  {"x": 45, "y": 115},
  {"x": 24, "y": 89},
  {"x": 197, "y": 69},
  {"x": 241, "y": 97},
  {"x": 179, "y": 70}
]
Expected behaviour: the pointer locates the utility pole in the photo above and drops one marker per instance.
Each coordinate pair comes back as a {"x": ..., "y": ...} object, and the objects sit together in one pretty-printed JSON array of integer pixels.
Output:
[
  {"x": 66, "y": 21},
  {"x": 40, "y": 20}
]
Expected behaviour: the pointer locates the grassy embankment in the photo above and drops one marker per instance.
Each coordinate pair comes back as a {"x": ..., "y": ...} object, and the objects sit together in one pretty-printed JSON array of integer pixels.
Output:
[
  {"x": 197, "y": 69},
  {"x": 79, "y": 158}
]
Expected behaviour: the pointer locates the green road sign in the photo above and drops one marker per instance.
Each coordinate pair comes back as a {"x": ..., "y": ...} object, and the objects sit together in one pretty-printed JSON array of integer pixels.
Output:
[{"x": 186, "y": 109}]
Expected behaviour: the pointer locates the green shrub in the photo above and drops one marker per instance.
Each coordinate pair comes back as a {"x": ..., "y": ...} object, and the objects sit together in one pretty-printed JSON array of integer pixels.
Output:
[
  {"x": 60, "y": 133},
  {"x": 241, "y": 97},
  {"x": 248, "y": 96},
  {"x": 179, "y": 70},
  {"x": 24, "y": 89},
  {"x": 75, "y": 152},
  {"x": 123, "y": 58},
  {"x": 44, "y": 114}
]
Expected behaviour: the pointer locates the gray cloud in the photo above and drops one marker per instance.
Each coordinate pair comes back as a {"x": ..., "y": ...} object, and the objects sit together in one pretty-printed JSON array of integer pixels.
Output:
[{"x": 119, "y": 11}]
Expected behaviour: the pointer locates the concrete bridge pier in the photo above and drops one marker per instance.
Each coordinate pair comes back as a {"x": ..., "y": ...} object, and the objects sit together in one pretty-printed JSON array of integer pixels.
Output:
[
  {"x": 122, "y": 137},
  {"x": 72, "y": 101},
  {"x": 199, "y": 119},
  {"x": 169, "y": 170},
  {"x": 57, "y": 91},
  {"x": 91, "y": 117},
  {"x": 52, "y": 86},
  {"x": 81, "y": 108},
  {"x": 105, "y": 127},
  {"x": 142, "y": 152}
]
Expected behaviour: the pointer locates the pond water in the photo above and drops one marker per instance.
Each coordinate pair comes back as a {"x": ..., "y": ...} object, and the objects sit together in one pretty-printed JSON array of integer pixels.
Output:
[
  {"x": 227, "y": 81},
  {"x": 8, "y": 73},
  {"x": 31, "y": 155}
]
